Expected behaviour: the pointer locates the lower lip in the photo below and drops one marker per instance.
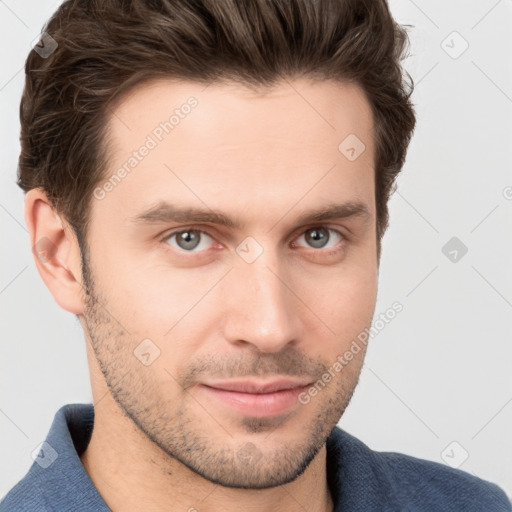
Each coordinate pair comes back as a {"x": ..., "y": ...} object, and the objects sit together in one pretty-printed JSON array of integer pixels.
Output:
[{"x": 257, "y": 404}]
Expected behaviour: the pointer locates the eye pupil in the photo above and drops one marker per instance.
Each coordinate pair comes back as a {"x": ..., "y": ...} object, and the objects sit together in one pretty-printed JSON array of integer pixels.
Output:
[{"x": 317, "y": 237}]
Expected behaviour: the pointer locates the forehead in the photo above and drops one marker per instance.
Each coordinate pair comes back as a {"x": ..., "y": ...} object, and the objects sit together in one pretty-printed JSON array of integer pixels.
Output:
[
  {"x": 226, "y": 145},
  {"x": 237, "y": 113}
]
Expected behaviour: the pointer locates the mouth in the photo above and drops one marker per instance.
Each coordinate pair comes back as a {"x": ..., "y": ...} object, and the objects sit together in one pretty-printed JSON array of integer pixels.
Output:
[{"x": 257, "y": 398}]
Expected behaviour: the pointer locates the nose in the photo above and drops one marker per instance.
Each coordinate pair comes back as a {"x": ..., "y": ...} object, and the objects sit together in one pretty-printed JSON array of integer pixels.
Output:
[{"x": 261, "y": 308}]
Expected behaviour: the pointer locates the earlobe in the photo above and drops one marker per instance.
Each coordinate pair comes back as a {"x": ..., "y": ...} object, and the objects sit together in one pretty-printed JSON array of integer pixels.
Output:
[{"x": 56, "y": 251}]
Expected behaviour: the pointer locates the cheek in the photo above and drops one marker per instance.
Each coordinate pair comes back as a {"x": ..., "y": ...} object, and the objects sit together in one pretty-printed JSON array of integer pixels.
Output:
[
  {"x": 345, "y": 303},
  {"x": 156, "y": 299},
  {"x": 342, "y": 295}
]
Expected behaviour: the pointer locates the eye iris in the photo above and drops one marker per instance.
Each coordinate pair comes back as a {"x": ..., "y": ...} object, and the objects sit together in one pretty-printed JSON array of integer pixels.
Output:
[
  {"x": 187, "y": 239},
  {"x": 317, "y": 237}
]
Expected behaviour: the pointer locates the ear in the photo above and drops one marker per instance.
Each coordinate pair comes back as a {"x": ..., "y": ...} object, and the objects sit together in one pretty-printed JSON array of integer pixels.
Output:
[{"x": 56, "y": 251}]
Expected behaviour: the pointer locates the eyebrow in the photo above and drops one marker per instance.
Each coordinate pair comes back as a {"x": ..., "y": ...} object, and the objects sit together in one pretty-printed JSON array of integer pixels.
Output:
[{"x": 165, "y": 212}]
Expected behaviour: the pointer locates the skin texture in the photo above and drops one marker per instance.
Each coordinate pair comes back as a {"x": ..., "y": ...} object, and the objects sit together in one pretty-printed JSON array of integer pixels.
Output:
[{"x": 262, "y": 158}]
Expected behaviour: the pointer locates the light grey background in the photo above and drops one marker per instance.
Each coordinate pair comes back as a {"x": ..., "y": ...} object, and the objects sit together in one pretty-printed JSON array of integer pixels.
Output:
[{"x": 440, "y": 372}]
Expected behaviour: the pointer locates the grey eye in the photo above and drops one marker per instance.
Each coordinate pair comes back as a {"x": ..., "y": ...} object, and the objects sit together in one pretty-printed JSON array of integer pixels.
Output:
[
  {"x": 189, "y": 239},
  {"x": 317, "y": 237},
  {"x": 320, "y": 237}
]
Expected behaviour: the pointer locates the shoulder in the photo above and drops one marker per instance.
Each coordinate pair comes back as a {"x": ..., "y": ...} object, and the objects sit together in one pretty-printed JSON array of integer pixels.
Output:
[
  {"x": 410, "y": 483},
  {"x": 440, "y": 485},
  {"x": 25, "y": 495}
]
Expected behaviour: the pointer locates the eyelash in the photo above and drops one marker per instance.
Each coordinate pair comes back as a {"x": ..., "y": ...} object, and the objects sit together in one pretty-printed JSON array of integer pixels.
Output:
[{"x": 323, "y": 252}]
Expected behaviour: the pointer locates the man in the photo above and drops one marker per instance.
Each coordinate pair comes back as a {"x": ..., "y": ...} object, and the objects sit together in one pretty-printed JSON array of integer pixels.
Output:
[{"x": 206, "y": 189}]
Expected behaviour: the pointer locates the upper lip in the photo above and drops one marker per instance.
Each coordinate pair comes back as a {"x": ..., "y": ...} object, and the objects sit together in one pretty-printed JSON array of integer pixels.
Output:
[{"x": 255, "y": 386}]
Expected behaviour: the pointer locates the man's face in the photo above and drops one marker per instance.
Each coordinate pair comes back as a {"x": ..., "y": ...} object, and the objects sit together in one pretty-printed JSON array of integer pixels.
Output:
[{"x": 182, "y": 305}]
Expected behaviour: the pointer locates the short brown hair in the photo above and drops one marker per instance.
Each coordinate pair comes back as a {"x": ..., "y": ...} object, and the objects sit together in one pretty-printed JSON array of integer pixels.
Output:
[{"x": 105, "y": 47}]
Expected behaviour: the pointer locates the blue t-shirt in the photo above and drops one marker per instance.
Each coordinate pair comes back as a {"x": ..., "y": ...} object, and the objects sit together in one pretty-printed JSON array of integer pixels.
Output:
[{"x": 360, "y": 479}]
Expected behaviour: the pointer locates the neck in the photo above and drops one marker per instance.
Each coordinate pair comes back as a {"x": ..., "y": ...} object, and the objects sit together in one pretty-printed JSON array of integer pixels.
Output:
[{"x": 132, "y": 473}]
